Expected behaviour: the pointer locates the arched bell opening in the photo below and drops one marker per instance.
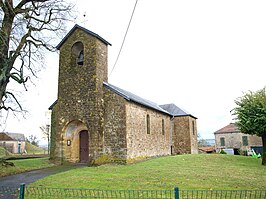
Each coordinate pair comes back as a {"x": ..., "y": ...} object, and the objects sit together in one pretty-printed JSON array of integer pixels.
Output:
[{"x": 78, "y": 53}]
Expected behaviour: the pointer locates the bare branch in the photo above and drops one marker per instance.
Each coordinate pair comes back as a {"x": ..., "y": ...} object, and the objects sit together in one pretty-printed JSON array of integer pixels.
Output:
[
  {"x": 14, "y": 97},
  {"x": 24, "y": 36},
  {"x": 24, "y": 2}
]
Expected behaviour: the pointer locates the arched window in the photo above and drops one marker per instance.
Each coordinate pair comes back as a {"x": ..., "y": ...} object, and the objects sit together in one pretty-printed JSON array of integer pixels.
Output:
[
  {"x": 193, "y": 127},
  {"x": 148, "y": 124},
  {"x": 78, "y": 52},
  {"x": 162, "y": 126}
]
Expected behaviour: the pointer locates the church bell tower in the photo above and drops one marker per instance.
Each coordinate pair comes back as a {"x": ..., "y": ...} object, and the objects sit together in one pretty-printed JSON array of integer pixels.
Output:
[{"x": 78, "y": 113}]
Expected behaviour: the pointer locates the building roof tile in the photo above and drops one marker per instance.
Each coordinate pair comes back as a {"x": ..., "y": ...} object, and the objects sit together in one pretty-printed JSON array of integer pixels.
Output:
[
  {"x": 169, "y": 109},
  {"x": 175, "y": 110},
  {"x": 132, "y": 97},
  {"x": 231, "y": 128},
  {"x": 14, "y": 136}
]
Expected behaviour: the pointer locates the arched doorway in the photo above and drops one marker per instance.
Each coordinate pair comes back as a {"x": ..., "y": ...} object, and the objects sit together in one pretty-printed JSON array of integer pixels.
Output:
[{"x": 84, "y": 146}]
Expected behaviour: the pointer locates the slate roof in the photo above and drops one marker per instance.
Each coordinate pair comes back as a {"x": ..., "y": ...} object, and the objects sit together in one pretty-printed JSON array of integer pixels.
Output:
[
  {"x": 231, "y": 128},
  {"x": 134, "y": 98},
  {"x": 85, "y": 30},
  {"x": 15, "y": 136},
  {"x": 169, "y": 109},
  {"x": 175, "y": 110}
]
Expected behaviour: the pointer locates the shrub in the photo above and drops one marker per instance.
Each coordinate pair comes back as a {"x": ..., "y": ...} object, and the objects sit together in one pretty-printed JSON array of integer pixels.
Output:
[{"x": 222, "y": 152}]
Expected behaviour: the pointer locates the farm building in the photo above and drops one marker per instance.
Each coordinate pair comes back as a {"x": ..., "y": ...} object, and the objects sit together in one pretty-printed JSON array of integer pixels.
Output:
[
  {"x": 13, "y": 142},
  {"x": 96, "y": 122},
  {"x": 233, "y": 141}
]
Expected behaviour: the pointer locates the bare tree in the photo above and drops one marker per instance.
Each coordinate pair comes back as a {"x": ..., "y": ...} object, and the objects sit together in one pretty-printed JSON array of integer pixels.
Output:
[
  {"x": 46, "y": 134},
  {"x": 33, "y": 139},
  {"x": 27, "y": 28}
]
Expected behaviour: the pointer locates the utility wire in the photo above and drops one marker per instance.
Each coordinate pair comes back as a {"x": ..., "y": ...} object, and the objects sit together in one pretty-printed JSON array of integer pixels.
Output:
[{"x": 124, "y": 38}]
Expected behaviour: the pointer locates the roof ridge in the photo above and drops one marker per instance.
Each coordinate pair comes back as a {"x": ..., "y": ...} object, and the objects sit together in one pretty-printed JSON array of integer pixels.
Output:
[
  {"x": 85, "y": 30},
  {"x": 135, "y": 98}
]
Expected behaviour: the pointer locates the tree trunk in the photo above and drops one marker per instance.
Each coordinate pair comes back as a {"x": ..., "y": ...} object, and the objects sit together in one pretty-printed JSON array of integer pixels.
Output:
[
  {"x": 5, "y": 65},
  {"x": 264, "y": 148}
]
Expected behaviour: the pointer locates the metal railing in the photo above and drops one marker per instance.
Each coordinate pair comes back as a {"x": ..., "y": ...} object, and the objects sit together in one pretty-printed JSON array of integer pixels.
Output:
[
  {"x": 9, "y": 192},
  {"x": 95, "y": 193},
  {"x": 29, "y": 192},
  {"x": 222, "y": 194}
]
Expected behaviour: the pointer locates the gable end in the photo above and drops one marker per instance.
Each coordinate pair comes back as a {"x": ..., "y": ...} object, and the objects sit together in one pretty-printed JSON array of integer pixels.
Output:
[{"x": 85, "y": 30}]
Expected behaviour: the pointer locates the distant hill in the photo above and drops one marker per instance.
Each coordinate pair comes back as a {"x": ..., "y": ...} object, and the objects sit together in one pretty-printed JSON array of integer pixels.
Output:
[
  {"x": 32, "y": 149},
  {"x": 210, "y": 142}
]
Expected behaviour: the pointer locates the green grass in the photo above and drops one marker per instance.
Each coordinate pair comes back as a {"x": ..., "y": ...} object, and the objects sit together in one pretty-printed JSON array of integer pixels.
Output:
[
  {"x": 3, "y": 152},
  {"x": 23, "y": 165},
  {"x": 219, "y": 172},
  {"x": 31, "y": 149}
]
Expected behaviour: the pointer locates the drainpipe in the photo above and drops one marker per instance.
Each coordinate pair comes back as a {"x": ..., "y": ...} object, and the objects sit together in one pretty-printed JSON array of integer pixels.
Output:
[{"x": 171, "y": 134}]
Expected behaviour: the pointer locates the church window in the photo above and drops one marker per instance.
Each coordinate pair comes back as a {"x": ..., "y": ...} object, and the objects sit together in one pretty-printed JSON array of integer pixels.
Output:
[
  {"x": 222, "y": 140},
  {"x": 162, "y": 126},
  {"x": 148, "y": 124},
  {"x": 193, "y": 127},
  {"x": 78, "y": 53}
]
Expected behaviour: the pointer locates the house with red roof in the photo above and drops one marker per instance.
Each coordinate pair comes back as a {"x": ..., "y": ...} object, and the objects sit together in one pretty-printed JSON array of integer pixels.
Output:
[
  {"x": 13, "y": 142},
  {"x": 231, "y": 140}
]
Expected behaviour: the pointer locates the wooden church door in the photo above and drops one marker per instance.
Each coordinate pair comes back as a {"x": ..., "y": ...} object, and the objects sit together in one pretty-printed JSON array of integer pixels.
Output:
[{"x": 84, "y": 146}]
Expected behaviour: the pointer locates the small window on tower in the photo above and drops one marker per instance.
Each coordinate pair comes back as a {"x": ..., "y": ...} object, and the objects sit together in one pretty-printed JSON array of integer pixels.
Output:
[{"x": 78, "y": 53}]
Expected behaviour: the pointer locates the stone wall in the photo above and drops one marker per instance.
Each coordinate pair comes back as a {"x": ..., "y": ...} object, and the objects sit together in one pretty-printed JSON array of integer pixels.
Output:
[
  {"x": 184, "y": 135},
  {"x": 115, "y": 146},
  {"x": 12, "y": 146},
  {"x": 193, "y": 135},
  {"x": 140, "y": 144},
  {"x": 254, "y": 140},
  {"x": 234, "y": 140},
  {"x": 80, "y": 92},
  {"x": 54, "y": 136}
]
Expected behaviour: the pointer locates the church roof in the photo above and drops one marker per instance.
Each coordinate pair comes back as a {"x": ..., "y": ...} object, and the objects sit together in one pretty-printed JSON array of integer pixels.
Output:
[
  {"x": 85, "y": 30},
  {"x": 175, "y": 110},
  {"x": 169, "y": 109},
  {"x": 132, "y": 97},
  {"x": 231, "y": 128}
]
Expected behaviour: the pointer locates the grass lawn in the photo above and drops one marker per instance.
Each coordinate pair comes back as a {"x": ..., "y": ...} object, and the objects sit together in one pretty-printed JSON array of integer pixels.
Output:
[
  {"x": 219, "y": 172},
  {"x": 3, "y": 152},
  {"x": 25, "y": 165},
  {"x": 31, "y": 149}
]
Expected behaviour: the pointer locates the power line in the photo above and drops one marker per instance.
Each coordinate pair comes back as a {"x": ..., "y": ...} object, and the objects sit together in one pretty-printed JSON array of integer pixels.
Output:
[{"x": 124, "y": 38}]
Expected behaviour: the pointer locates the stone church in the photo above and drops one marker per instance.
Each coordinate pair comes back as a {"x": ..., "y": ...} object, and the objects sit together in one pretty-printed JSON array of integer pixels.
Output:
[{"x": 96, "y": 122}]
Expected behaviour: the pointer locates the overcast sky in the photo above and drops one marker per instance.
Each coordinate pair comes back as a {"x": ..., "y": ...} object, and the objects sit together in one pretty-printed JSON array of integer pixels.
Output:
[{"x": 199, "y": 54}]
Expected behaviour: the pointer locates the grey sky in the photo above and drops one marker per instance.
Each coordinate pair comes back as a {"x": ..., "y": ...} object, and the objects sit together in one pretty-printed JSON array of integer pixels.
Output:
[{"x": 200, "y": 55}]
